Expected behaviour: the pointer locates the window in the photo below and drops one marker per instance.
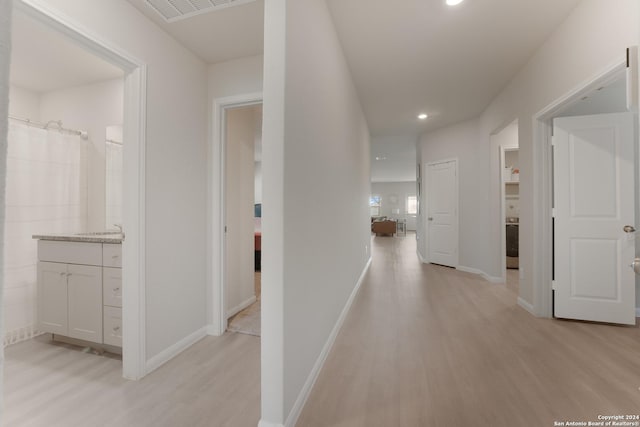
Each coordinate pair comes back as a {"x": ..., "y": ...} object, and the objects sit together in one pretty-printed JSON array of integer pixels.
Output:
[
  {"x": 412, "y": 205},
  {"x": 374, "y": 203}
]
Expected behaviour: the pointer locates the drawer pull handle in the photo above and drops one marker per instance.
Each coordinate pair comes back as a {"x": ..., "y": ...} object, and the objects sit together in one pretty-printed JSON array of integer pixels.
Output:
[
  {"x": 116, "y": 328},
  {"x": 63, "y": 274},
  {"x": 114, "y": 256},
  {"x": 116, "y": 290}
]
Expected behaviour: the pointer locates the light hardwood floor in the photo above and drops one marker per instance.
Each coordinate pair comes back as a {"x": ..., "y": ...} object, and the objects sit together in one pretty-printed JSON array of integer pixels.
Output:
[
  {"x": 431, "y": 346},
  {"x": 422, "y": 346},
  {"x": 214, "y": 383}
]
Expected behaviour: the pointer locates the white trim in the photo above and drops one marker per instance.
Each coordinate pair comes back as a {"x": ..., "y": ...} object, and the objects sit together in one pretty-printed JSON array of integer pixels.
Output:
[
  {"x": 637, "y": 311},
  {"x": 481, "y": 273},
  {"x": 420, "y": 257},
  {"x": 238, "y": 308},
  {"x": 292, "y": 419},
  {"x": 425, "y": 201},
  {"x": 134, "y": 199},
  {"x": 542, "y": 186},
  {"x": 524, "y": 304},
  {"x": 169, "y": 353},
  {"x": 268, "y": 424},
  {"x": 216, "y": 313}
]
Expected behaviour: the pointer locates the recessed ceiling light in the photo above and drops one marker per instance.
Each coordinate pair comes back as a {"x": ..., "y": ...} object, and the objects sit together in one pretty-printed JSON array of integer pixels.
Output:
[
  {"x": 454, "y": 2},
  {"x": 422, "y": 116}
]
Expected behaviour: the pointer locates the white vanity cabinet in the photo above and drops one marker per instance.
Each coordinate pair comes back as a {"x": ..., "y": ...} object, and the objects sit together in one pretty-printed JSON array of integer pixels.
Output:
[{"x": 77, "y": 296}]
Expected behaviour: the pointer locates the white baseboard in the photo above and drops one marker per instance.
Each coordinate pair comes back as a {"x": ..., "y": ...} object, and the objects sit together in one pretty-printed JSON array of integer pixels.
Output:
[
  {"x": 315, "y": 371},
  {"x": 524, "y": 304},
  {"x": 238, "y": 308},
  {"x": 479, "y": 272},
  {"x": 169, "y": 353},
  {"x": 268, "y": 424}
]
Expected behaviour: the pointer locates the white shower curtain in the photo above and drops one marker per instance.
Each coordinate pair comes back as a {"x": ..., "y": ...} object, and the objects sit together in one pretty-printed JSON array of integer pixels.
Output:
[{"x": 46, "y": 193}]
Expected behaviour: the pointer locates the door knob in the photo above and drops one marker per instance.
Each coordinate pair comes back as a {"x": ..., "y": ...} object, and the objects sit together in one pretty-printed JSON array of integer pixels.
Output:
[
  {"x": 629, "y": 229},
  {"x": 635, "y": 265}
]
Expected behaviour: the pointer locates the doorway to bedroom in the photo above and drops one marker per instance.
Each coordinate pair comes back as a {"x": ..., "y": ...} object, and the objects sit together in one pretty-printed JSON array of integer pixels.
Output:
[{"x": 243, "y": 218}]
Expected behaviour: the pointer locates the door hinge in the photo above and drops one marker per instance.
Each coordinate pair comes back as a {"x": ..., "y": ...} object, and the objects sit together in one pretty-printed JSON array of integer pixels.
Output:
[
  {"x": 225, "y": 228},
  {"x": 553, "y": 212},
  {"x": 554, "y": 285}
]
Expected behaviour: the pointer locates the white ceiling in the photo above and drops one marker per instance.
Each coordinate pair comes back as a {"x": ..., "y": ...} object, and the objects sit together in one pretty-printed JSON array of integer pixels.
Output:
[
  {"x": 218, "y": 36},
  {"x": 412, "y": 56},
  {"x": 43, "y": 60}
]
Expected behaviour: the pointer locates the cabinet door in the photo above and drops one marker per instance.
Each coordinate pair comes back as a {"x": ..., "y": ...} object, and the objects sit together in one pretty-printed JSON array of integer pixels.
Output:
[
  {"x": 85, "y": 302},
  {"x": 52, "y": 297}
]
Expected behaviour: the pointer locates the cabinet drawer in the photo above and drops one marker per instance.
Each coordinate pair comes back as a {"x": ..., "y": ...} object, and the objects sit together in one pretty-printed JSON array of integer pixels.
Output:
[
  {"x": 112, "y": 255},
  {"x": 70, "y": 252},
  {"x": 113, "y": 326},
  {"x": 112, "y": 286}
]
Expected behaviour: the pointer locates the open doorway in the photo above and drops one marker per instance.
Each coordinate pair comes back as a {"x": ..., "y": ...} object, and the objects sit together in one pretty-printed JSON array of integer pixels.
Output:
[
  {"x": 583, "y": 176},
  {"x": 74, "y": 102},
  {"x": 243, "y": 218},
  {"x": 235, "y": 206},
  {"x": 506, "y": 141}
]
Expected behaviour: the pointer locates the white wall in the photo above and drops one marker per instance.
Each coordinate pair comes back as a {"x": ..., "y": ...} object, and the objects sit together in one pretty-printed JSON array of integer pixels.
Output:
[
  {"x": 591, "y": 39},
  {"x": 393, "y": 158},
  {"x": 393, "y": 195},
  {"x": 239, "y": 76},
  {"x": 91, "y": 108},
  {"x": 315, "y": 160},
  {"x": 239, "y": 196},
  {"x": 176, "y": 166},
  {"x": 24, "y": 103}
]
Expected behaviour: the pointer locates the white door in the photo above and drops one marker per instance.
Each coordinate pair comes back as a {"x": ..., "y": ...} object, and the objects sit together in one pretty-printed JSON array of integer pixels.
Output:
[
  {"x": 594, "y": 201},
  {"x": 442, "y": 213}
]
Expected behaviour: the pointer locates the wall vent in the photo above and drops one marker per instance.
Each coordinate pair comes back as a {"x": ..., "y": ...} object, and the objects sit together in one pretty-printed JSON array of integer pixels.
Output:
[{"x": 175, "y": 10}]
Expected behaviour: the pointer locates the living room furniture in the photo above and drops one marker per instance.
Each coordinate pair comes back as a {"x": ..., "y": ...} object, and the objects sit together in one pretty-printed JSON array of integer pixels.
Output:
[{"x": 384, "y": 227}]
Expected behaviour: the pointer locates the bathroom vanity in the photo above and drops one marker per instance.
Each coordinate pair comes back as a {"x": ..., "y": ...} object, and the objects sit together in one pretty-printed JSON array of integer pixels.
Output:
[{"x": 80, "y": 287}]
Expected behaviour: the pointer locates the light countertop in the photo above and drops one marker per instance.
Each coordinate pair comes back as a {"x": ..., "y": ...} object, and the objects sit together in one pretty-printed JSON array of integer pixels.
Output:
[{"x": 94, "y": 237}]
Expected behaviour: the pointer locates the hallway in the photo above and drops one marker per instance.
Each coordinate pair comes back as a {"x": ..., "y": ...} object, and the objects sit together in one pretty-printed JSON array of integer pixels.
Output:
[{"x": 431, "y": 346}]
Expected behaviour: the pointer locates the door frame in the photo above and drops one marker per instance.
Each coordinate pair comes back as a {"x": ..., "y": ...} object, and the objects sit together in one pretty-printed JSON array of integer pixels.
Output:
[
  {"x": 426, "y": 207},
  {"x": 216, "y": 207},
  {"x": 542, "y": 271},
  {"x": 134, "y": 123}
]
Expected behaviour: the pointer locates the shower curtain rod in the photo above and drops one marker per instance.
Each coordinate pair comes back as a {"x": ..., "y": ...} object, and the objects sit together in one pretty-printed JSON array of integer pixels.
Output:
[{"x": 52, "y": 124}]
